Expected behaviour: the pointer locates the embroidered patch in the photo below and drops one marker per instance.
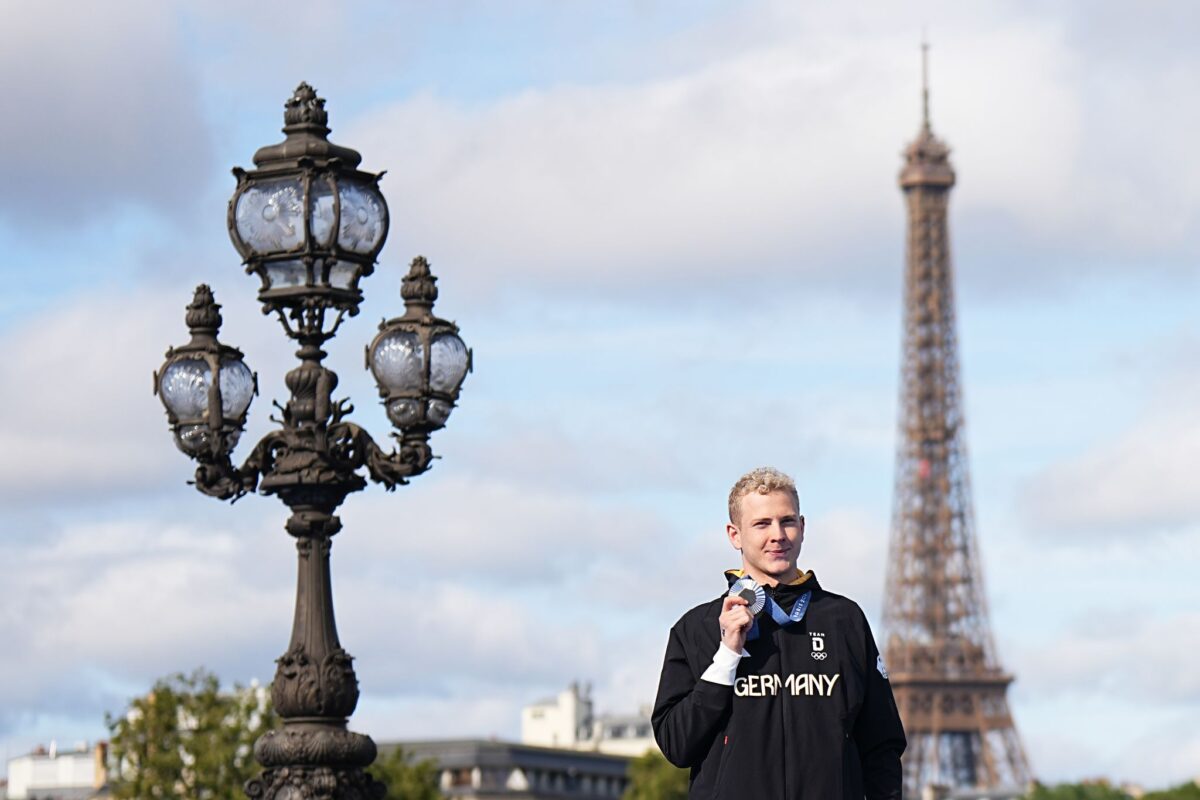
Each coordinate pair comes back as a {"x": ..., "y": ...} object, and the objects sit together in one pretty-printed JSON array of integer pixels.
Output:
[
  {"x": 879, "y": 666},
  {"x": 818, "y": 646}
]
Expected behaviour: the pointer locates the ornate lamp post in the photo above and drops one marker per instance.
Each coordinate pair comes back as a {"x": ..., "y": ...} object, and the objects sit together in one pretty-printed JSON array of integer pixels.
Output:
[{"x": 311, "y": 225}]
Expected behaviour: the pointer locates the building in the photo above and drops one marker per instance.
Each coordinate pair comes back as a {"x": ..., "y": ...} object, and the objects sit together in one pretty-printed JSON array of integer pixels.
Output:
[
  {"x": 950, "y": 686},
  {"x": 473, "y": 769},
  {"x": 569, "y": 721},
  {"x": 53, "y": 774},
  {"x": 567, "y": 752}
]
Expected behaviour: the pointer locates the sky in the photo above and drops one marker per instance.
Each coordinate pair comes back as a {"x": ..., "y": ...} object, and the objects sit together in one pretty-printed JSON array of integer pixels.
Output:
[{"x": 672, "y": 234}]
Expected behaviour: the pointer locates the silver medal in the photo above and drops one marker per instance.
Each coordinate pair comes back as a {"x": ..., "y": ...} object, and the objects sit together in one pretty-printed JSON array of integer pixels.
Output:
[{"x": 751, "y": 592}]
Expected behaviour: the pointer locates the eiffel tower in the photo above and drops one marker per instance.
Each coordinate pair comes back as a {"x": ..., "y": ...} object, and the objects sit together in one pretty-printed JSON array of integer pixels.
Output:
[{"x": 948, "y": 682}]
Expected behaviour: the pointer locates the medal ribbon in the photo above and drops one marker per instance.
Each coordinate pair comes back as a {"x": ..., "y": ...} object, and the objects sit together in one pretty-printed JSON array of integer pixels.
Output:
[{"x": 782, "y": 619}]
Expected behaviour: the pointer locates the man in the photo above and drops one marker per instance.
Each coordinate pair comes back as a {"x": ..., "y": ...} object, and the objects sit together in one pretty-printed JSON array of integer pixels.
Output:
[{"x": 792, "y": 702}]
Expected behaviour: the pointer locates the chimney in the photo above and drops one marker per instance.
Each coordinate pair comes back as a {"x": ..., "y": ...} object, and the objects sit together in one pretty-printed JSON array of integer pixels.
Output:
[{"x": 100, "y": 765}]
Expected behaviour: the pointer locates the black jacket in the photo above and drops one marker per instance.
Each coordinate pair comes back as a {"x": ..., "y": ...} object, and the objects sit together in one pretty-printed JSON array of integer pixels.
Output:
[{"x": 810, "y": 716}]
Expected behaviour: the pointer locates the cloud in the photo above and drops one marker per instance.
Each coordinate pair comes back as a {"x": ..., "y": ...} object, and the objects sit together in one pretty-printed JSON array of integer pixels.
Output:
[
  {"x": 97, "y": 607},
  {"x": 492, "y": 530},
  {"x": 778, "y": 159},
  {"x": 1071, "y": 741},
  {"x": 1142, "y": 660},
  {"x": 1137, "y": 480},
  {"x": 85, "y": 425},
  {"x": 104, "y": 112},
  {"x": 679, "y": 178},
  {"x": 1143, "y": 480},
  {"x": 677, "y": 400},
  {"x": 847, "y": 547},
  {"x": 1166, "y": 755},
  {"x": 95, "y": 430},
  {"x": 546, "y": 453},
  {"x": 1098, "y": 631},
  {"x": 404, "y": 641}
]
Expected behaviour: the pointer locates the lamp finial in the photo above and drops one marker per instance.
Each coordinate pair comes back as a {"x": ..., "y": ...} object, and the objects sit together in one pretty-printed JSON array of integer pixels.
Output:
[{"x": 419, "y": 287}]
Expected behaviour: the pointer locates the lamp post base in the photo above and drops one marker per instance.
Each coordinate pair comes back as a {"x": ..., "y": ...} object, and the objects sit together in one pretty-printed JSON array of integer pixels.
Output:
[
  {"x": 315, "y": 783},
  {"x": 315, "y": 760}
]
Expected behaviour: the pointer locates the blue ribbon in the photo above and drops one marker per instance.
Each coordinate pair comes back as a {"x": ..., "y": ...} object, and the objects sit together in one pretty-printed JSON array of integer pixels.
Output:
[{"x": 782, "y": 619}]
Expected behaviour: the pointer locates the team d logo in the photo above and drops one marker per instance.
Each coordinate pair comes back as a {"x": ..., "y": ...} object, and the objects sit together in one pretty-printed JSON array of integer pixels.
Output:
[{"x": 818, "y": 646}]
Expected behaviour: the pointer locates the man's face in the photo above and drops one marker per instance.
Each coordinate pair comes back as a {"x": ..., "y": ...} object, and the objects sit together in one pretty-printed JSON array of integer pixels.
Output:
[{"x": 769, "y": 534}]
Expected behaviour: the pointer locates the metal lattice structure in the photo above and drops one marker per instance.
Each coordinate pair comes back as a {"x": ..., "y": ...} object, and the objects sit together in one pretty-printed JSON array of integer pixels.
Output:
[{"x": 948, "y": 682}]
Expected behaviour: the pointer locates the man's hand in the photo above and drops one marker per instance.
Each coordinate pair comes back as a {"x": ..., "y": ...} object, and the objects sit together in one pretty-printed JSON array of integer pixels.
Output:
[{"x": 736, "y": 620}]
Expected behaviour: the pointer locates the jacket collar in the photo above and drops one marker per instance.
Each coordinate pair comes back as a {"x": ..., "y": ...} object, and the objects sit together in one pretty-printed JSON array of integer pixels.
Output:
[{"x": 805, "y": 578}]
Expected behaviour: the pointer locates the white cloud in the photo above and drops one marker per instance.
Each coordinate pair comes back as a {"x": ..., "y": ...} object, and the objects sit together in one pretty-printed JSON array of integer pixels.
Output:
[
  {"x": 104, "y": 110},
  {"x": 1068, "y": 740},
  {"x": 1139, "y": 656},
  {"x": 492, "y": 531},
  {"x": 778, "y": 158},
  {"x": 85, "y": 425},
  {"x": 545, "y": 453},
  {"x": 1164, "y": 755},
  {"x": 474, "y": 710},
  {"x": 1141, "y": 479},
  {"x": 186, "y": 585},
  {"x": 685, "y": 178},
  {"x": 1098, "y": 631},
  {"x": 848, "y": 549},
  {"x": 96, "y": 606},
  {"x": 85, "y": 419}
]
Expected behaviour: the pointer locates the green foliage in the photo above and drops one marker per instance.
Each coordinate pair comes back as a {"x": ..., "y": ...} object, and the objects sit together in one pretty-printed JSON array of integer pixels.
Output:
[
  {"x": 406, "y": 779},
  {"x": 1186, "y": 791},
  {"x": 1077, "y": 791},
  {"x": 652, "y": 777},
  {"x": 188, "y": 739},
  {"x": 1102, "y": 790}
]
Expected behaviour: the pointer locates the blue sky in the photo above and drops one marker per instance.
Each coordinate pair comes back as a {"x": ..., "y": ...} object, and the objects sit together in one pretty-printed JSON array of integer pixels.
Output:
[{"x": 671, "y": 232}]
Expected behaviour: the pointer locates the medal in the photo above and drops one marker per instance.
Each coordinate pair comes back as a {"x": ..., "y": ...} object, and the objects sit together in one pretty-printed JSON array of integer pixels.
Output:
[{"x": 749, "y": 590}]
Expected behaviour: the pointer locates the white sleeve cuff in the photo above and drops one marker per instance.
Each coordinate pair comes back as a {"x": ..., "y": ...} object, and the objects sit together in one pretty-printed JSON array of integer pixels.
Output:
[{"x": 723, "y": 668}]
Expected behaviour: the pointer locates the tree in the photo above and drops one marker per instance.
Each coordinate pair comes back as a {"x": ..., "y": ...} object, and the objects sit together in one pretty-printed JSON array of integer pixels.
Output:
[
  {"x": 652, "y": 777},
  {"x": 1102, "y": 790},
  {"x": 406, "y": 779},
  {"x": 188, "y": 739},
  {"x": 1186, "y": 791},
  {"x": 1089, "y": 790}
]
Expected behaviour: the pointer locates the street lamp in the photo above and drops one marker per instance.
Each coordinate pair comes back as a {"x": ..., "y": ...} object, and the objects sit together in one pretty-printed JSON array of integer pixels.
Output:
[{"x": 310, "y": 225}]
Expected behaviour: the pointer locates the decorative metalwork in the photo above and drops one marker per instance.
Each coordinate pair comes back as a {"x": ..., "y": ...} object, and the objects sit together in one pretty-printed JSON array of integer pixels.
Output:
[
  {"x": 948, "y": 682},
  {"x": 205, "y": 386},
  {"x": 308, "y": 222},
  {"x": 311, "y": 225},
  {"x": 418, "y": 359}
]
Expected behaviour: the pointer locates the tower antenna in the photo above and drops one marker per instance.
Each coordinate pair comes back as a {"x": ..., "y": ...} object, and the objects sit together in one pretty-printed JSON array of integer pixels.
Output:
[{"x": 924, "y": 79}]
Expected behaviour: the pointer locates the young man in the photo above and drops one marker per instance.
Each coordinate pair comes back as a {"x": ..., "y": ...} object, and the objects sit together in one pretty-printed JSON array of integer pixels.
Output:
[{"x": 787, "y": 703}]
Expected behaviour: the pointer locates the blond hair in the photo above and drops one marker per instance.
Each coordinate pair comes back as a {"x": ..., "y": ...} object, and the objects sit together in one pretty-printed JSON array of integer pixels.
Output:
[{"x": 763, "y": 480}]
